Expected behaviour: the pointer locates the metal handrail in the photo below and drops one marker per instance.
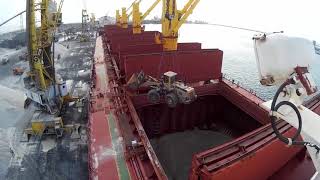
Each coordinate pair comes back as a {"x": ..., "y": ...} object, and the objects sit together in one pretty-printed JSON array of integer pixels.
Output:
[{"x": 243, "y": 86}]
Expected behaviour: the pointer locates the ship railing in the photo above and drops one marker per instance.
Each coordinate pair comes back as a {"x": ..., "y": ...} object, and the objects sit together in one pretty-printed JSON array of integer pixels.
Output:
[{"x": 242, "y": 85}]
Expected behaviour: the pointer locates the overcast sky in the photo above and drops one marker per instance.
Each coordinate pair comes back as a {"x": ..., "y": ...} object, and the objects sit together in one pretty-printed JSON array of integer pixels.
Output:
[{"x": 295, "y": 17}]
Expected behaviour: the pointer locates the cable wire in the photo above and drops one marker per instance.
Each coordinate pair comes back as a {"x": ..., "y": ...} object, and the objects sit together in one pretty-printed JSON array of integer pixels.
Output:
[{"x": 236, "y": 27}]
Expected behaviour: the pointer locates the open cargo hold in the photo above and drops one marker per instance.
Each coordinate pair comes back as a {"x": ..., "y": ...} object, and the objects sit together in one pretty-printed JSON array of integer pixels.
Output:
[
  {"x": 177, "y": 134},
  {"x": 244, "y": 138}
]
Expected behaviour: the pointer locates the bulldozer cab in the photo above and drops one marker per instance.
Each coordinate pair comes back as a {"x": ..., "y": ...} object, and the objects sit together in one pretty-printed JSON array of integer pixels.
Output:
[{"x": 169, "y": 78}]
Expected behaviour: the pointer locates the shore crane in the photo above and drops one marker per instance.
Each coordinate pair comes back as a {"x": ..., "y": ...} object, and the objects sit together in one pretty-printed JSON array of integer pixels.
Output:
[
  {"x": 43, "y": 88},
  {"x": 137, "y": 17},
  {"x": 84, "y": 26}
]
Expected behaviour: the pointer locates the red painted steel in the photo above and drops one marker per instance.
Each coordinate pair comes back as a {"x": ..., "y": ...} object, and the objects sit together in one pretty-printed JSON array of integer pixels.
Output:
[
  {"x": 117, "y": 46},
  {"x": 100, "y": 139},
  {"x": 110, "y": 31},
  {"x": 255, "y": 156},
  {"x": 253, "y": 164},
  {"x": 145, "y": 140},
  {"x": 245, "y": 100},
  {"x": 139, "y": 165},
  {"x": 277, "y": 148},
  {"x": 119, "y": 32},
  {"x": 113, "y": 27},
  {"x": 137, "y": 48},
  {"x": 132, "y": 40},
  {"x": 189, "y": 46},
  {"x": 128, "y": 49},
  {"x": 186, "y": 63},
  {"x": 144, "y": 35}
]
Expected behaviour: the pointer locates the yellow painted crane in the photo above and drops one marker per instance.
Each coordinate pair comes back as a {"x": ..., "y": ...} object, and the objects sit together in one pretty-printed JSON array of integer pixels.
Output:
[
  {"x": 42, "y": 86},
  {"x": 131, "y": 6},
  {"x": 122, "y": 20},
  {"x": 118, "y": 18},
  {"x": 172, "y": 20},
  {"x": 137, "y": 17}
]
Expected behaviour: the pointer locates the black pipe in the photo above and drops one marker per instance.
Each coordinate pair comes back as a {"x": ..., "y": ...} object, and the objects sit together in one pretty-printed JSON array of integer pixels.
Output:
[{"x": 275, "y": 107}]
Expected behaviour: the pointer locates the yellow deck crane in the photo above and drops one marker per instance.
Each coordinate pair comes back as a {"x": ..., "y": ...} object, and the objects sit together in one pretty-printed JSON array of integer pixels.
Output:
[
  {"x": 137, "y": 17},
  {"x": 118, "y": 18},
  {"x": 122, "y": 20},
  {"x": 43, "y": 88},
  {"x": 172, "y": 20}
]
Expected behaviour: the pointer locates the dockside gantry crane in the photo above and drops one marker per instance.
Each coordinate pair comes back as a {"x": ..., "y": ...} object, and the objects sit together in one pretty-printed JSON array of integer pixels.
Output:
[
  {"x": 41, "y": 83},
  {"x": 44, "y": 88},
  {"x": 172, "y": 20},
  {"x": 84, "y": 26},
  {"x": 137, "y": 17}
]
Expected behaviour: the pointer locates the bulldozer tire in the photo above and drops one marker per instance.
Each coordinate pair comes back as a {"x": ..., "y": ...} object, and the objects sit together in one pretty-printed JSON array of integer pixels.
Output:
[
  {"x": 153, "y": 96},
  {"x": 172, "y": 100}
]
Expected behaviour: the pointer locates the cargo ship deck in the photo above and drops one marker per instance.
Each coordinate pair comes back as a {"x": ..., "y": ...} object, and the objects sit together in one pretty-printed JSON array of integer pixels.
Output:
[{"x": 224, "y": 134}]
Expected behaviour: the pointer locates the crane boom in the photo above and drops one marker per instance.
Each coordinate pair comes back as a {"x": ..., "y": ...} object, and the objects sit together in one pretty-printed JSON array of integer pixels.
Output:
[
  {"x": 137, "y": 19},
  {"x": 136, "y": 1},
  {"x": 186, "y": 7},
  {"x": 150, "y": 9},
  {"x": 186, "y": 13},
  {"x": 172, "y": 20},
  {"x": 5, "y": 22},
  {"x": 122, "y": 20}
]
